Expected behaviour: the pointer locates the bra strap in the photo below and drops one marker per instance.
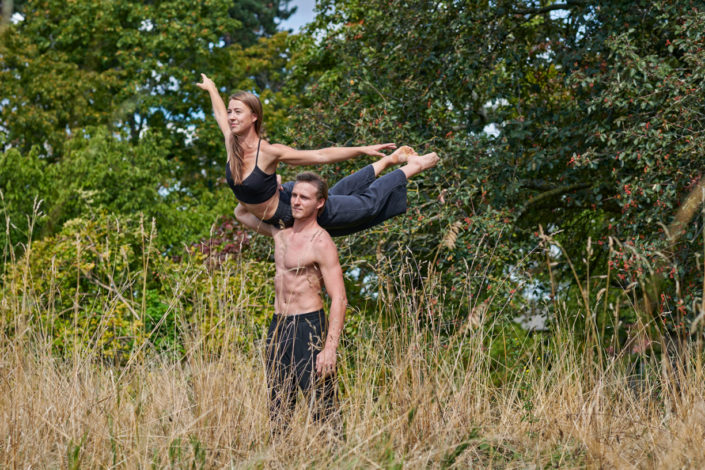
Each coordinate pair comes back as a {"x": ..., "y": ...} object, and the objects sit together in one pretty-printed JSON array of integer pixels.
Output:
[{"x": 257, "y": 156}]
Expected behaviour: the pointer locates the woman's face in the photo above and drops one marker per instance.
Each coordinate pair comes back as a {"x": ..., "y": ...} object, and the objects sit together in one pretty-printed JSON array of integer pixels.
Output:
[{"x": 240, "y": 117}]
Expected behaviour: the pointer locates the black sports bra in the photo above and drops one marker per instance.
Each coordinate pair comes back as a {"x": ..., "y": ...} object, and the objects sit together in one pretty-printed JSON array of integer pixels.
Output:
[{"x": 257, "y": 187}]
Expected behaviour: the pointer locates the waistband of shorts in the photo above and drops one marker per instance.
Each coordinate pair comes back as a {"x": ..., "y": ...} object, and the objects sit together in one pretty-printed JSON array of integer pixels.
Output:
[{"x": 299, "y": 316}]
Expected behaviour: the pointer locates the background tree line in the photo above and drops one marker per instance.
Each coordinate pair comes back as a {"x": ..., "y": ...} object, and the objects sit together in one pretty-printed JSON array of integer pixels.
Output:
[{"x": 570, "y": 133}]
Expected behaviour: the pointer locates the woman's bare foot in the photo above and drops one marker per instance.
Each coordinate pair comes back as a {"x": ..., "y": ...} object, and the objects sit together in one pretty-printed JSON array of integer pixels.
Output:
[
  {"x": 400, "y": 155},
  {"x": 417, "y": 164}
]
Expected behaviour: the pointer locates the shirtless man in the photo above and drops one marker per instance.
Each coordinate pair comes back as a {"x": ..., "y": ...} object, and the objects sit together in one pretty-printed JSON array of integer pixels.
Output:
[{"x": 301, "y": 351}]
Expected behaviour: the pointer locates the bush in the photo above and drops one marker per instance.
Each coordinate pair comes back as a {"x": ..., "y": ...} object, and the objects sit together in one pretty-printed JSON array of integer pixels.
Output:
[{"x": 103, "y": 285}]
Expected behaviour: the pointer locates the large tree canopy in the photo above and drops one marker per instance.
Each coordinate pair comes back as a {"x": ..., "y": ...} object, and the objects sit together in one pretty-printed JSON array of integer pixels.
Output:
[
  {"x": 579, "y": 118},
  {"x": 72, "y": 71},
  {"x": 127, "y": 64},
  {"x": 583, "y": 117}
]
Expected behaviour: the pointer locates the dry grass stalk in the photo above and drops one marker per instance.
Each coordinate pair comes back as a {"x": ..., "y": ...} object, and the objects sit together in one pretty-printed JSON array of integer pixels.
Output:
[{"x": 408, "y": 396}]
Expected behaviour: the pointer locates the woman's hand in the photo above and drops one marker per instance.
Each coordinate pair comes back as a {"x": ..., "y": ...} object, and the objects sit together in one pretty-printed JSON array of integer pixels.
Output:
[
  {"x": 207, "y": 84},
  {"x": 375, "y": 150}
]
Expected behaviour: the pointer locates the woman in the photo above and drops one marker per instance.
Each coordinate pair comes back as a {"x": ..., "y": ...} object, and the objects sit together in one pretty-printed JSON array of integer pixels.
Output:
[{"x": 355, "y": 203}]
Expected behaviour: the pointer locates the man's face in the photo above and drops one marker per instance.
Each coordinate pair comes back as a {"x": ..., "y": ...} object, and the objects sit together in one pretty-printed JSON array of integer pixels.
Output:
[{"x": 304, "y": 200}]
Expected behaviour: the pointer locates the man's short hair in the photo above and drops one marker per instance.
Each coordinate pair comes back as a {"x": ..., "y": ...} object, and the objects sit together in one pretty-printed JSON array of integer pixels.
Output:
[{"x": 317, "y": 181}]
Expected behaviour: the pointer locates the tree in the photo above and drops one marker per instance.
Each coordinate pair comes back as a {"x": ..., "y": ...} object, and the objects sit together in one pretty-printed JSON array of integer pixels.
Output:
[
  {"x": 68, "y": 65},
  {"x": 565, "y": 115},
  {"x": 81, "y": 79},
  {"x": 24, "y": 188},
  {"x": 126, "y": 64},
  {"x": 259, "y": 19}
]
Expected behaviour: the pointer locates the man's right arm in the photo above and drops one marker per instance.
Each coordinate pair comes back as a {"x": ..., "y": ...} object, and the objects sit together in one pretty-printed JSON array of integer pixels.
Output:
[{"x": 251, "y": 221}]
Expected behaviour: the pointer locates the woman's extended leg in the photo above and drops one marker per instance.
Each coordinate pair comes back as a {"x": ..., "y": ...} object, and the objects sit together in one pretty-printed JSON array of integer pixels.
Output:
[
  {"x": 361, "y": 179},
  {"x": 381, "y": 200},
  {"x": 357, "y": 183}
]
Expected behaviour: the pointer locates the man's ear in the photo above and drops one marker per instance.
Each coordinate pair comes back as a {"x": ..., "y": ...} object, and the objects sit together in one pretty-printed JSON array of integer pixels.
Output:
[{"x": 320, "y": 204}]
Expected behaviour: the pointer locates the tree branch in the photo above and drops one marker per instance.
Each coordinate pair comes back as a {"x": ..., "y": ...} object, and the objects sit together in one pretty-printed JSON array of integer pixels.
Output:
[
  {"x": 539, "y": 185},
  {"x": 556, "y": 192},
  {"x": 551, "y": 193}
]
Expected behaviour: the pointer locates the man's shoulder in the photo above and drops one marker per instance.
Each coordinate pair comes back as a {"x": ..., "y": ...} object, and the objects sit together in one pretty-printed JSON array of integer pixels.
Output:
[
  {"x": 323, "y": 246},
  {"x": 318, "y": 238},
  {"x": 279, "y": 233},
  {"x": 322, "y": 236}
]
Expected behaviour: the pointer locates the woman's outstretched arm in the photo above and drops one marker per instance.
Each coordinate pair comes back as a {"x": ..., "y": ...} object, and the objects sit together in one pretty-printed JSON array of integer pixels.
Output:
[
  {"x": 292, "y": 156},
  {"x": 219, "y": 108}
]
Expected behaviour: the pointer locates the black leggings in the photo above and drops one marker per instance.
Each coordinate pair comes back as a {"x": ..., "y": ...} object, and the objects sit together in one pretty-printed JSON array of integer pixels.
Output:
[
  {"x": 293, "y": 342},
  {"x": 355, "y": 203}
]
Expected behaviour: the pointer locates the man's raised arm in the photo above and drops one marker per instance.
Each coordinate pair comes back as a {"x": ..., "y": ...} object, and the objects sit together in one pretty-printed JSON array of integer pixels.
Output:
[{"x": 332, "y": 275}]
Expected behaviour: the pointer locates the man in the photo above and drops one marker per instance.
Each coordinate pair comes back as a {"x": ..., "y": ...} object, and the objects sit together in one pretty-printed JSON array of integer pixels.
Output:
[{"x": 306, "y": 259}]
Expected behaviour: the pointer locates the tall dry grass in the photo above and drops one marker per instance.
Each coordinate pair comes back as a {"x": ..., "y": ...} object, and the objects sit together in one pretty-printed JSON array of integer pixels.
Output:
[{"x": 410, "y": 397}]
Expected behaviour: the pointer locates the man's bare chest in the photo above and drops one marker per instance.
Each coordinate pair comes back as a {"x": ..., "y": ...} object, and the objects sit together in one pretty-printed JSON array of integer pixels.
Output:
[{"x": 296, "y": 256}]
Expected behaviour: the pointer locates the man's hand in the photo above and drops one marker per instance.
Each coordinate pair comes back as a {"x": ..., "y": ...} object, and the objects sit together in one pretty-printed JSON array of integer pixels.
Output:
[
  {"x": 325, "y": 362},
  {"x": 207, "y": 84},
  {"x": 375, "y": 150}
]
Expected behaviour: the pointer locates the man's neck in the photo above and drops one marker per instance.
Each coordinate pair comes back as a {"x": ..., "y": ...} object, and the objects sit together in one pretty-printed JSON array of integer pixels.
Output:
[{"x": 305, "y": 225}]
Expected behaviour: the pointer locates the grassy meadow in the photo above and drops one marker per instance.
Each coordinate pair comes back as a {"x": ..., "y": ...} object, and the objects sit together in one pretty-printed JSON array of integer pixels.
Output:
[{"x": 412, "y": 394}]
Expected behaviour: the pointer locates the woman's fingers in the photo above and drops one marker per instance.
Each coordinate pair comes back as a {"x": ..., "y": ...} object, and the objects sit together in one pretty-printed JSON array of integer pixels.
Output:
[{"x": 205, "y": 82}]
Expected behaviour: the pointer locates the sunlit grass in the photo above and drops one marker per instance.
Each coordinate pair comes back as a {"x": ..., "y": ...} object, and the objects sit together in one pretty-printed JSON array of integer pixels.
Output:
[{"x": 410, "y": 395}]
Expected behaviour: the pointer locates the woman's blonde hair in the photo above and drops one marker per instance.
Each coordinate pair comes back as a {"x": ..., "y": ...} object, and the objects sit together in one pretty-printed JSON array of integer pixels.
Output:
[{"x": 252, "y": 102}]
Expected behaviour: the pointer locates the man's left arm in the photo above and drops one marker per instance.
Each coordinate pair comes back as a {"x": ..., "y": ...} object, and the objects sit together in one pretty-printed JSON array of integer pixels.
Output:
[{"x": 332, "y": 275}]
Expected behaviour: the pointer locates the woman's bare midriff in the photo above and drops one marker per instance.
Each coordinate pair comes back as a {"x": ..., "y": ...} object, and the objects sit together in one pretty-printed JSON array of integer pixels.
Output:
[{"x": 264, "y": 210}]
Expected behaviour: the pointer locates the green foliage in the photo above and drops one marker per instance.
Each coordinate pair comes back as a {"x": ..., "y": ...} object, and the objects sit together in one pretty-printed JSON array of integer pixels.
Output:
[
  {"x": 643, "y": 105},
  {"x": 132, "y": 66},
  {"x": 101, "y": 97},
  {"x": 103, "y": 286},
  {"x": 68, "y": 65},
  {"x": 258, "y": 19},
  {"x": 103, "y": 173},
  {"x": 100, "y": 171},
  {"x": 24, "y": 187},
  {"x": 73, "y": 453},
  {"x": 86, "y": 260},
  {"x": 578, "y": 119},
  {"x": 567, "y": 116}
]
